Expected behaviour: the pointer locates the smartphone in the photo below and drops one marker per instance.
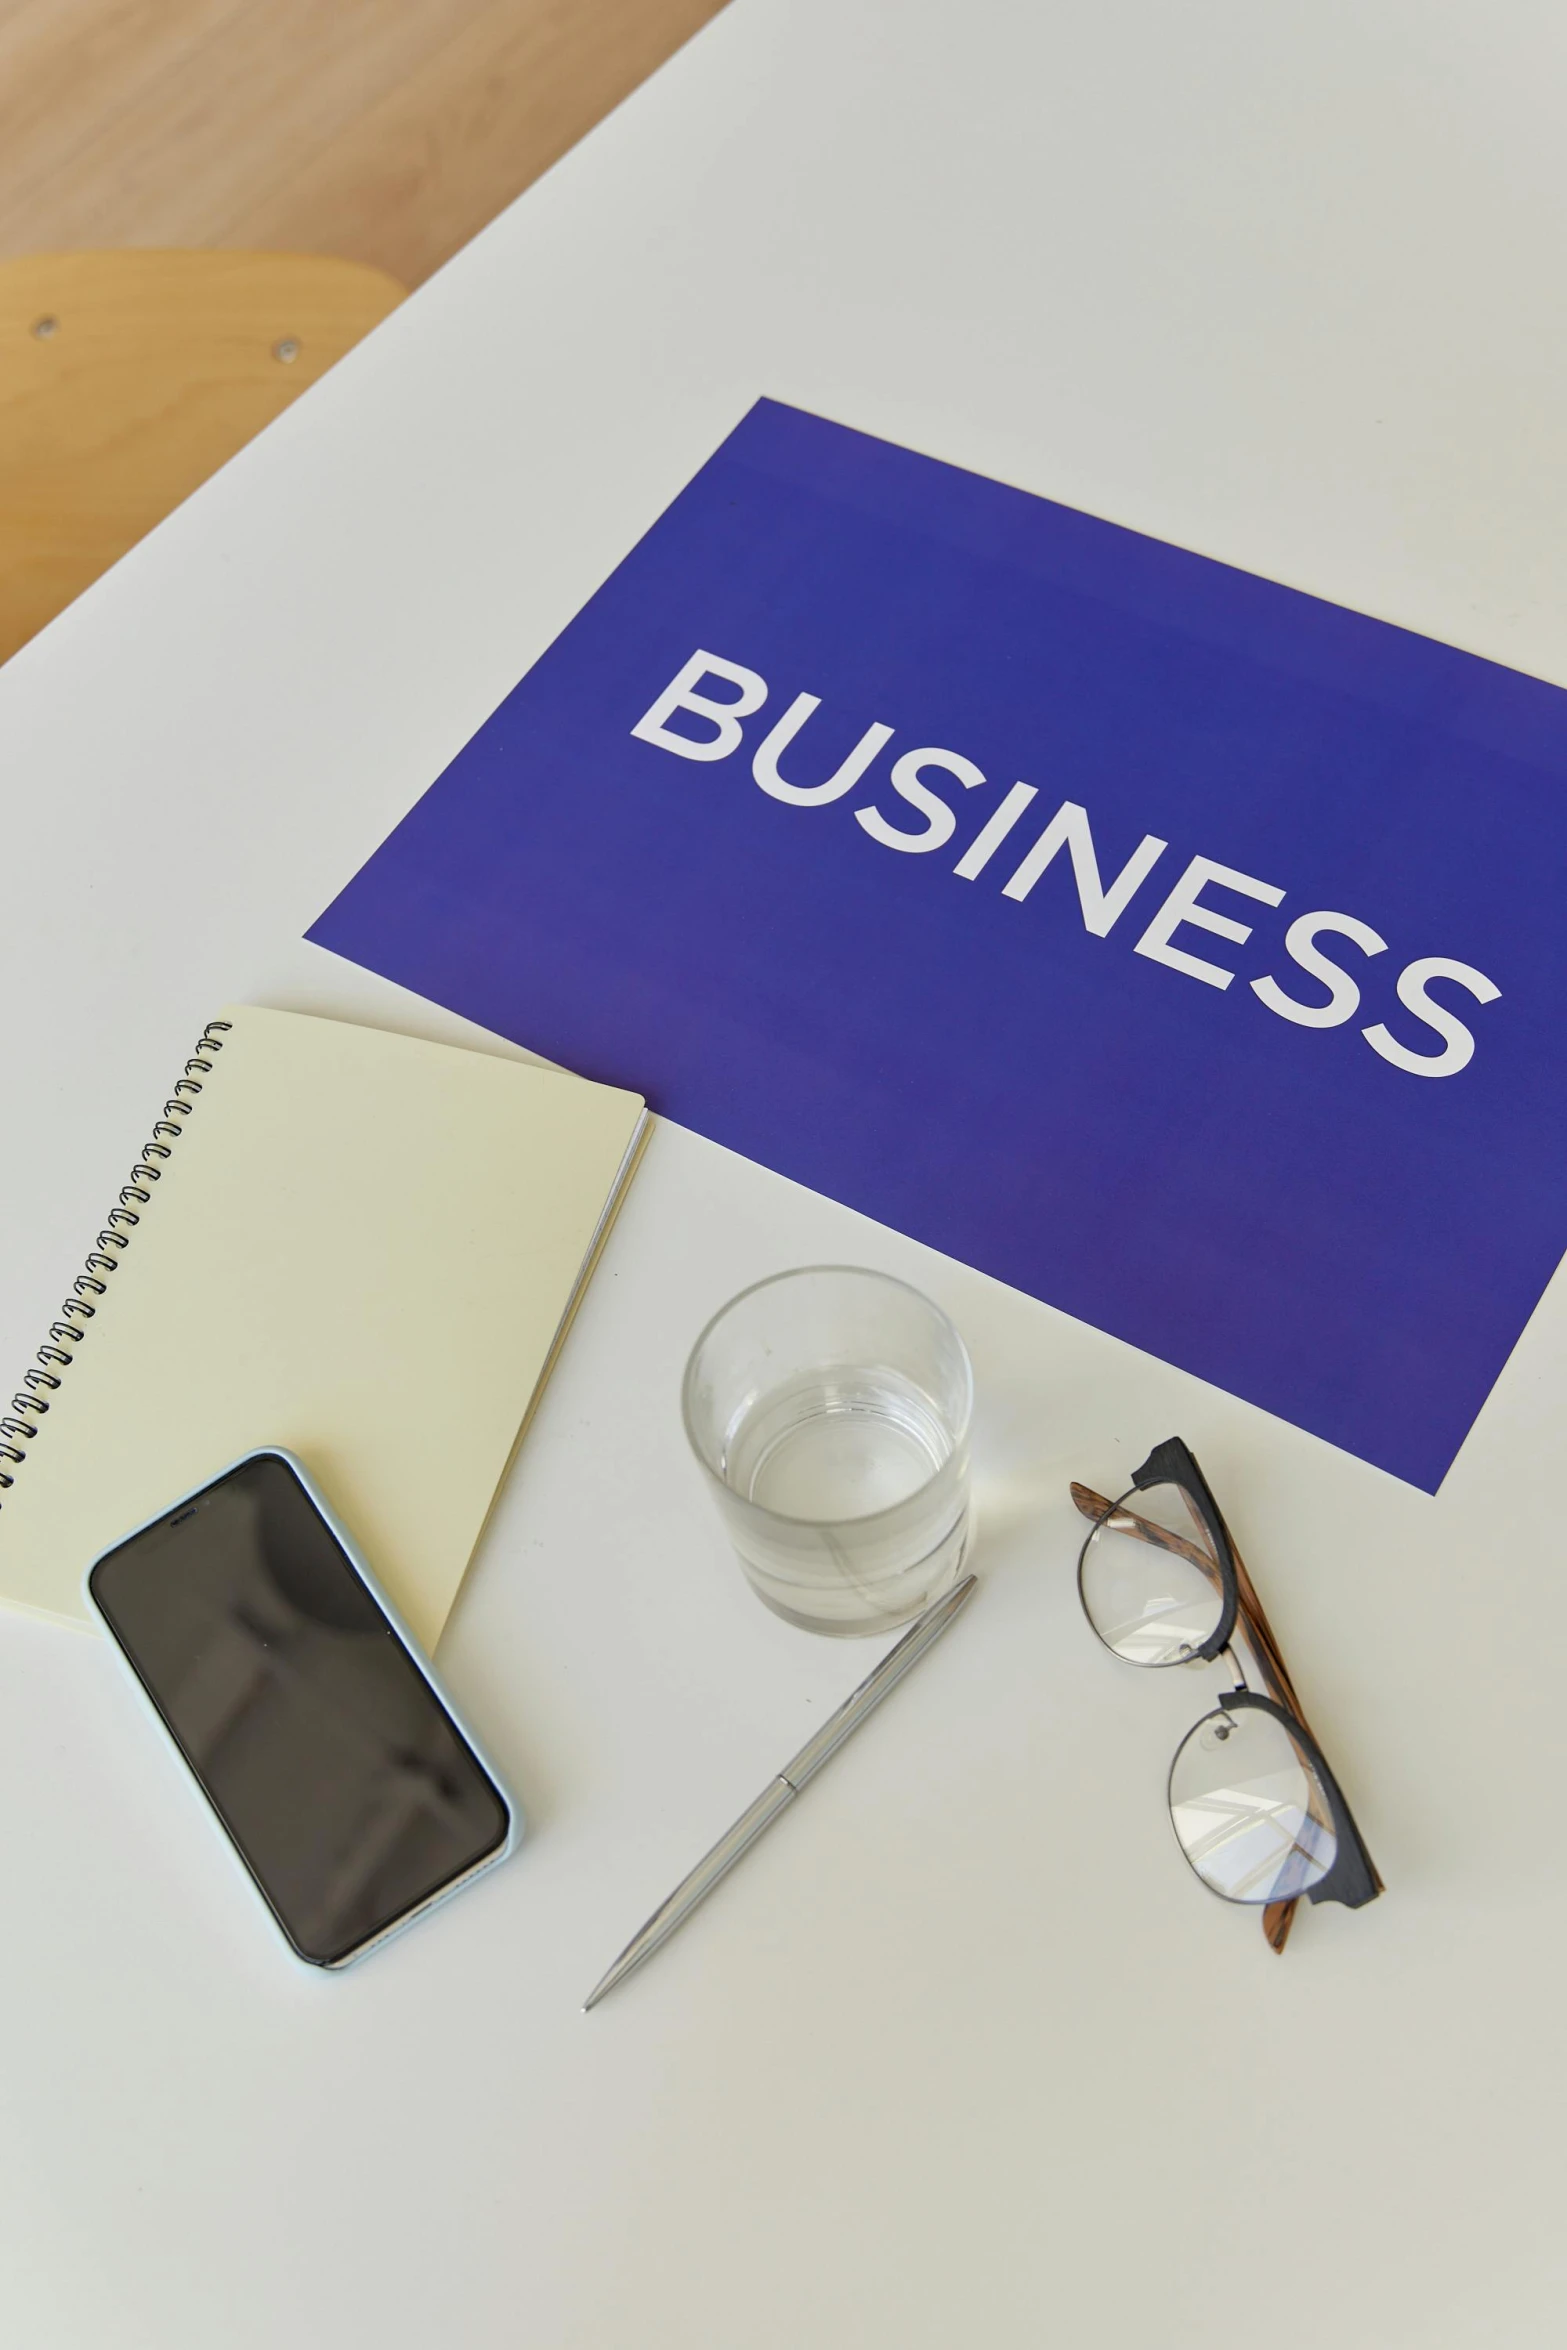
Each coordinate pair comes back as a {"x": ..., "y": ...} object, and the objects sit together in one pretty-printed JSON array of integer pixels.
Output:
[{"x": 347, "y": 1786}]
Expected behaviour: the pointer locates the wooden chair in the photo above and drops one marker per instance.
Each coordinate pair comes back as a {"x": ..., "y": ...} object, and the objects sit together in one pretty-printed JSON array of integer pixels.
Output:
[{"x": 126, "y": 378}]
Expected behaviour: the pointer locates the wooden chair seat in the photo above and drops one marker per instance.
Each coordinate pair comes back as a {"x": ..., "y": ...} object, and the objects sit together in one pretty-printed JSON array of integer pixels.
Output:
[{"x": 127, "y": 378}]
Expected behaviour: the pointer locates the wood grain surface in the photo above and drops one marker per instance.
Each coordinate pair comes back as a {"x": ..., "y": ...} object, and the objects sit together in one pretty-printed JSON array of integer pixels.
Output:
[
  {"x": 126, "y": 378},
  {"x": 384, "y": 131}
]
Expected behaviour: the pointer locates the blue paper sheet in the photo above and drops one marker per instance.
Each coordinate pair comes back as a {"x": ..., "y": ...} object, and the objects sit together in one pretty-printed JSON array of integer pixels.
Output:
[{"x": 1180, "y": 948}]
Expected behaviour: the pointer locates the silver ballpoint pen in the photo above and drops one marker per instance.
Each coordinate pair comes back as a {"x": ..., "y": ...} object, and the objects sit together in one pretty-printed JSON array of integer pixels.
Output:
[{"x": 781, "y": 1792}]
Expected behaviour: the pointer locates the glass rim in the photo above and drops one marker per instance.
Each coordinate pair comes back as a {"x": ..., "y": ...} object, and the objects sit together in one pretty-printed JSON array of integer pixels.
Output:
[{"x": 800, "y": 1273}]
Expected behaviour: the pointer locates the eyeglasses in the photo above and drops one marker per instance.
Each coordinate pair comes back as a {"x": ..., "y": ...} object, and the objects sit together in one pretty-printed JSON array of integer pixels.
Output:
[{"x": 1256, "y": 1810}]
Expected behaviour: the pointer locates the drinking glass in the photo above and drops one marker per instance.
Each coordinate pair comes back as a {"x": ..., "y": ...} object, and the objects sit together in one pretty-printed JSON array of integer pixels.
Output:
[{"x": 830, "y": 1410}]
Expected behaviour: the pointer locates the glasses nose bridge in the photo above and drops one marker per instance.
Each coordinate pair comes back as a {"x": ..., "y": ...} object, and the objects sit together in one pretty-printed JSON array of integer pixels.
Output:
[{"x": 1237, "y": 1662}]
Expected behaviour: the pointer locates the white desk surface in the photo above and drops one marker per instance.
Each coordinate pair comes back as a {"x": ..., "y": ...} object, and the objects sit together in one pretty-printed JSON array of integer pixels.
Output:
[{"x": 964, "y": 2055}]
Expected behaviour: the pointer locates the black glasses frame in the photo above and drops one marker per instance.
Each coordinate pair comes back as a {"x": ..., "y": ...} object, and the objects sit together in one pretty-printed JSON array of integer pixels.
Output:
[{"x": 1352, "y": 1878}]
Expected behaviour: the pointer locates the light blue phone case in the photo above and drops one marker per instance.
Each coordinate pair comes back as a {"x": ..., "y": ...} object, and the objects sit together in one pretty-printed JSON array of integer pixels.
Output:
[{"x": 515, "y": 1825}]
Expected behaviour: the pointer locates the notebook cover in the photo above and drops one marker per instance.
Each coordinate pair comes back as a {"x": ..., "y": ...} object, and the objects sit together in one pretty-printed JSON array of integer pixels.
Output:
[
  {"x": 1113, "y": 1076},
  {"x": 356, "y": 1245}
]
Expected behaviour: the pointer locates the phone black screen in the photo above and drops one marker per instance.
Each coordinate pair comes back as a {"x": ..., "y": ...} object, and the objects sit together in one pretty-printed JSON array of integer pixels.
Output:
[{"x": 349, "y": 1791}]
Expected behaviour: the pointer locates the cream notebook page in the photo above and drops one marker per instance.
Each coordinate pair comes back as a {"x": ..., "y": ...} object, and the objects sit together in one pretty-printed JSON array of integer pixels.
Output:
[{"x": 360, "y": 1246}]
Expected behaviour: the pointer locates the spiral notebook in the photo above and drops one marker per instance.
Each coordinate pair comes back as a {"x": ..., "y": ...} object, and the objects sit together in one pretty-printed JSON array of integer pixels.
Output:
[{"x": 358, "y": 1245}]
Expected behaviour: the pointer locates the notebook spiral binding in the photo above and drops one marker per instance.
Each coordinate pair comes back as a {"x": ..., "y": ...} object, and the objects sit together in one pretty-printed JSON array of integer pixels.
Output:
[{"x": 20, "y": 1424}]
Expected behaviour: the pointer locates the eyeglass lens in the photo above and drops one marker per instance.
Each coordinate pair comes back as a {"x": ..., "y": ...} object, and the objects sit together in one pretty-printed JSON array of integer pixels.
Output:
[
  {"x": 1150, "y": 1579},
  {"x": 1249, "y": 1810}
]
